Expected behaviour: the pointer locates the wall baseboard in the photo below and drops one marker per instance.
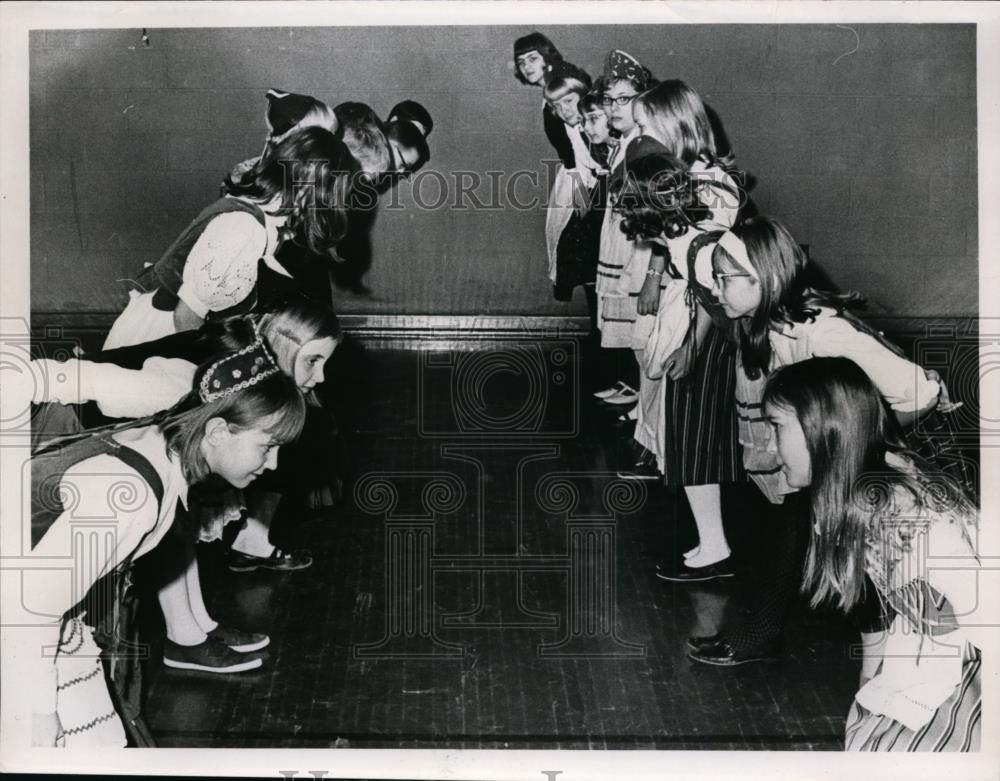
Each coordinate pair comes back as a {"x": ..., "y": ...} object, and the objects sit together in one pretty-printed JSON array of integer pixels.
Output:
[
  {"x": 470, "y": 331},
  {"x": 444, "y": 332}
]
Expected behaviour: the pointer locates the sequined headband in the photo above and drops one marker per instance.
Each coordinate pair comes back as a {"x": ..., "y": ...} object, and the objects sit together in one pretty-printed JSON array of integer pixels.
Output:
[
  {"x": 737, "y": 250},
  {"x": 238, "y": 371},
  {"x": 622, "y": 65}
]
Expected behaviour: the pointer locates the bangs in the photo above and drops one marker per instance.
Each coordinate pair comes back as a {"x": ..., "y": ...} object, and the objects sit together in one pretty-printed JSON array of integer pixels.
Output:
[
  {"x": 556, "y": 91},
  {"x": 289, "y": 420}
]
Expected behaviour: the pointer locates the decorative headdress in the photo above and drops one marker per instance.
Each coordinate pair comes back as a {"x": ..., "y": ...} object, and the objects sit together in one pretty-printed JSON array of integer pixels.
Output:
[
  {"x": 412, "y": 112},
  {"x": 286, "y": 109},
  {"x": 622, "y": 65},
  {"x": 238, "y": 370}
]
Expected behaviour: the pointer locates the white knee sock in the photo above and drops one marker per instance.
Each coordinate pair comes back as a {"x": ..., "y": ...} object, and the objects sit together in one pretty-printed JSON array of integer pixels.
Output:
[{"x": 706, "y": 506}]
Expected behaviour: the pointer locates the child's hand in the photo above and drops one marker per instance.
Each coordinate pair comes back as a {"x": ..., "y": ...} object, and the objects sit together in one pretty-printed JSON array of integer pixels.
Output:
[
  {"x": 679, "y": 362},
  {"x": 945, "y": 404},
  {"x": 649, "y": 296}
]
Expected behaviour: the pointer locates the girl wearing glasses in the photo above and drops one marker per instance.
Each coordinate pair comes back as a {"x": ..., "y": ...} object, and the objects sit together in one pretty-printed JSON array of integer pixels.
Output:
[
  {"x": 689, "y": 363},
  {"x": 759, "y": 281},
  {"x": 673, "y": 114},
  {"x": 624, "y": 77}
]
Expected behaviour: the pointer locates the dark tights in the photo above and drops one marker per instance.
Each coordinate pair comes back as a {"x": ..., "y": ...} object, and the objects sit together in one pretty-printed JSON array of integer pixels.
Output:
[{"x": 777, "y": 575}]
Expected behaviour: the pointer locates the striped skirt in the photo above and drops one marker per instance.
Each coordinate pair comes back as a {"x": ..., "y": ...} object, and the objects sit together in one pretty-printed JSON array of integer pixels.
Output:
[
  {"x": 701, "y": 444},
  {"x": 956, "y": 725}
]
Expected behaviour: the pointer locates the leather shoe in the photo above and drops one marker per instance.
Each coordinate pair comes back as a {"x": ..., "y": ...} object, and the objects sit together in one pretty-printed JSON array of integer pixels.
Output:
[
  {"x": 722, "y": 654},
  {"x": 686, "y": 574},
  {"x": 279, "y": 561},
  {"x": 697, "y": 642}
]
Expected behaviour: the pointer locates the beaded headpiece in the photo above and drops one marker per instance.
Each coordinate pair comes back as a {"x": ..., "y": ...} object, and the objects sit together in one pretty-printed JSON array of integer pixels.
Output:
[
  {"x": 238, "y": 370},
  {"x": 622, "y": 65}
]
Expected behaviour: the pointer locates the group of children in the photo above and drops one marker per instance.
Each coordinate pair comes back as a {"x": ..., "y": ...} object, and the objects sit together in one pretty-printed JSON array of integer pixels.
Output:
[
  {"x": 217, "y": 360},
  {"x": 745, "y": 371}
]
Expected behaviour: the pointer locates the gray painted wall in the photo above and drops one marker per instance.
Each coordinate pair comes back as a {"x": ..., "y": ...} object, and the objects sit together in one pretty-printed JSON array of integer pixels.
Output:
[{"x": 869, "y": 157}]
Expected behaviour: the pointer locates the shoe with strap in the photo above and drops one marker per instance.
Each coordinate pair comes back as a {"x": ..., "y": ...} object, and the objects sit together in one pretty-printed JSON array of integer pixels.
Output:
[
  {"x": 640, "y": 471},
  {"x": 626, "y": 395},
  {"x": 279, "y": 561},
  {"x": 687, "y": 574},
  {"x": 616, "y": 388},
  {"x": 722, "y": 654}
]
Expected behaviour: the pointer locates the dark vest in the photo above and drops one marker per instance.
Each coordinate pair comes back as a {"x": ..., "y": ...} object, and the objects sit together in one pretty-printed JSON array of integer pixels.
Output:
[
  {"x": 168, "y": 271},
  {"x": 48, "y": 468}
]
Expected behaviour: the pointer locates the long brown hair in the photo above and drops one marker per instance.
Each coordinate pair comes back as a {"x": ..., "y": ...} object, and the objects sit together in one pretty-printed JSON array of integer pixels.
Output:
[
  {"x": 310, "y": 173},
  {"x": 680, "y": 116},
  {"x": 848, "y": 433},
  {"x": 780, "y": 264}
]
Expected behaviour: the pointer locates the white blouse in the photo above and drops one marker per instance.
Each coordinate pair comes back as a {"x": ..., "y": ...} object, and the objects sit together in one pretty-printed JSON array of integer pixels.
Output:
[
  {"x": 902, "y": 384},
  {"x": 111, "y": 515},
  {"x": 119, "y": 392},
  {"x": 221, "y": 268}
]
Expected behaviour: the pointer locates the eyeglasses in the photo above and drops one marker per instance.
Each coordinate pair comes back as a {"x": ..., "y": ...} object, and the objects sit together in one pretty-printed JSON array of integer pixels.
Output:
[
  {"x": 621, "y": 100},
  {"x": 721, "y": 277},
  {"x": 399, "y": 166}
]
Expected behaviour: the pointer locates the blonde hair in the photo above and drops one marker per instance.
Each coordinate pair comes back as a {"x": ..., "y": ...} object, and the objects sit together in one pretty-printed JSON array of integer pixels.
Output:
[
  {"x": 678, "y": 113},
  {"x": 292, "y": 324}
]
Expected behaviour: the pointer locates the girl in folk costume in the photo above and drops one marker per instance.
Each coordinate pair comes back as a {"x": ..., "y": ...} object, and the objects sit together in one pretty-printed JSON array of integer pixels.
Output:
[
  {"x": 231, "y": 425},
  {"x": 223, "y": 263},
  {"x": 624, "y": 78},
  {"x": 688, "y": 417},
  {"x": 565, "y": 85},
  {"x": 878, "y": 513},
  {"x": 579, "y": 243},
  {"x": 572, "y": 192},
  {"x": 759, "y": 282},
  {"x": 384, "y": 151},
  {"x": 302, "y": 335},
  {"x": 535, "y": 60},
  {"x": 405, "y": 137}
]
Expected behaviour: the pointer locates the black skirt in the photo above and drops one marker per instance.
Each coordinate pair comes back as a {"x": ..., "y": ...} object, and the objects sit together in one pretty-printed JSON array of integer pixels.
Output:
[
  {"x": 576, "y": 253},
  {"x": 701, "y": 438}
]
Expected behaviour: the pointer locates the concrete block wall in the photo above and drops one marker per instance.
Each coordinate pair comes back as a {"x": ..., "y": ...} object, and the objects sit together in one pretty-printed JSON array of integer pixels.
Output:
[{"x": 864, "y": 145}]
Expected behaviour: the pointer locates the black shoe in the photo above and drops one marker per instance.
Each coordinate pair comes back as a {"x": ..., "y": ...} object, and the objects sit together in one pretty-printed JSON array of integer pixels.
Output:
[
  {"x": 697, "y": 642},
  {"x": 686, "y": 574},
  {"x": 240, "y": 640},
  {"x": 640, "y": 471},
  {"x": 722, "y": 654},
  {"x": 210, "y": 656},
  {"x": 279, "y": 561}
]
